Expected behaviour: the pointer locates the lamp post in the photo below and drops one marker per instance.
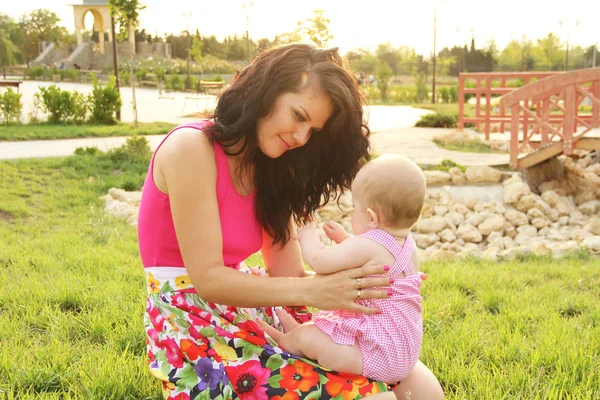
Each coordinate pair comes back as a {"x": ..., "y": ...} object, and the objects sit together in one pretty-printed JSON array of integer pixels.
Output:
[
  {"x": 187, "y": 15},
  {"x": 561, "y": 22},
  {"x": 246, "y": 4}
]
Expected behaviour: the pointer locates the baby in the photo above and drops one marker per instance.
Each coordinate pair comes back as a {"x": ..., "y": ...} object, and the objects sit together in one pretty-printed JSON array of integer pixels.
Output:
[{"x": 387, "y": 195}]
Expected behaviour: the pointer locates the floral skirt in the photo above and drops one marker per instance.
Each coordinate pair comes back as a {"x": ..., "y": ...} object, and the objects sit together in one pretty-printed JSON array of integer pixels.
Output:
[{"x": 202, "y": 350}]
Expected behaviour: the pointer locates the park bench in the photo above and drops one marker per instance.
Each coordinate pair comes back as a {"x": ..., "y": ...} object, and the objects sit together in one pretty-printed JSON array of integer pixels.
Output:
[
  {"x": 10, "y": 83},
  {"x": 211, "y": 86}
]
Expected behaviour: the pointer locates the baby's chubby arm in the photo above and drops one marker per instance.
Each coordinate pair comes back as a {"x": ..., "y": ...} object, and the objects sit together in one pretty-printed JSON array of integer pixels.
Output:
[{"x": 350, "y": 253}]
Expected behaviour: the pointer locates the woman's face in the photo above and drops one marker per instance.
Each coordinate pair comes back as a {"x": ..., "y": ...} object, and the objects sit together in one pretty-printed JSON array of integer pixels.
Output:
[{"x": 294, "y": 117}]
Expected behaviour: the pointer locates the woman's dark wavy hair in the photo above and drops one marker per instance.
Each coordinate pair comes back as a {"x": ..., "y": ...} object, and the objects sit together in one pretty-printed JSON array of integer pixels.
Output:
[{"x": 303, "y": 179}]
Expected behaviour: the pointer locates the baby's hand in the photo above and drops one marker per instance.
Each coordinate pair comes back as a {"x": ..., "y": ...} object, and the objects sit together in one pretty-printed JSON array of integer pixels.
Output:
[
  {"x": 308, "y": 232},
  {"x": 335, "y": 231}
]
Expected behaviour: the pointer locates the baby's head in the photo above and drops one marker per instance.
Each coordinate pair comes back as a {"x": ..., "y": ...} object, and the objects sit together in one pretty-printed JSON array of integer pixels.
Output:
[{"x": 388, "y": 193}]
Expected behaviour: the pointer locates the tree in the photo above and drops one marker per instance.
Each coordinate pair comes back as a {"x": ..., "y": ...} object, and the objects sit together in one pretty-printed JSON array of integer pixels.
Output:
[
  {"x": 40, "y": 25},
  {"x": 387, "y": 54},
  {"x": 316, "y": 29},
  {"x": 384, "y": 73},
  {"x": 288, "y": 37},
  {"x": 127, "y": 15},
  {"x": 552, "y": 49}
]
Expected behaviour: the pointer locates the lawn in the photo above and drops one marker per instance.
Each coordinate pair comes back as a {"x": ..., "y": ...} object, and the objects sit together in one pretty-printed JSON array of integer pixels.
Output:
[
  {"x": 72, "y": 301},
  {"x": 48, "y": 131}
]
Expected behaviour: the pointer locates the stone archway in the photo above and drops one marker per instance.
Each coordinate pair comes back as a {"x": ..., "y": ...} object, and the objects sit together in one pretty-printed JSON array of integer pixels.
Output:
[{"x": 101, "y": 12}]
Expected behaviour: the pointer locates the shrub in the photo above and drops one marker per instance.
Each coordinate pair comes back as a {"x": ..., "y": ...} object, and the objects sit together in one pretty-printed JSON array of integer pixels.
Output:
[
  {"x": 444, "y": 94},
  {"x": 175, "y": 83},
  {"x": 10, "y": 106},
  {"x": 36, "y": 72},
  {"x": 62, "y": 106},
  {"x": 437, "y": 120},
  {"x": 421, "y": 89},
  {"x": 447, "y": 164},
  {"x": 453, "y": 93},
  {"x": 136, "y": 150},
  {"x": 105, "y": 101},
  {"x": 87, "y": 151}
]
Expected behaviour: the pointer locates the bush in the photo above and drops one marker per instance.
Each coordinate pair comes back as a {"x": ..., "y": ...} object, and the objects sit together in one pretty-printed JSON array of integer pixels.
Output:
[
  {"x": 105, "y": 101},
  {"x": 175, "y": 83},
  {"x": 10, "y": 106},
  {"x": 444, "y": 94},
  {"x": 447, "y": 164},
  {"x": 87, "y": 151},
  {"x": 36, "y": 72},
  {"x": 62, "y": 106},
  {"x": 453, "y": 93},
  {"x": 437, "y": 120},
  {"x": 421, "y": 89},
  {"x": 136, "y": 150}
]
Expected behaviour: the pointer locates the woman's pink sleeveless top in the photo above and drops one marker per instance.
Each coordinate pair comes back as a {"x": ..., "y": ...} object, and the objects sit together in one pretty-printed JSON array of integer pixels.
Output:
[{"x": 242, "y": 234}]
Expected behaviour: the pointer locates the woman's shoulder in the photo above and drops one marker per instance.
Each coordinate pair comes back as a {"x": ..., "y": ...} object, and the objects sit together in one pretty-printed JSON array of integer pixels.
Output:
[{"x": 186, "y": 144}]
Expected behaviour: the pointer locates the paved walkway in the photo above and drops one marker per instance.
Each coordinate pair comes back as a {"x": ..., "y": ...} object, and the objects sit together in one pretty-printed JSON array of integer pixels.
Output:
[{"x": 392, "y": 127}]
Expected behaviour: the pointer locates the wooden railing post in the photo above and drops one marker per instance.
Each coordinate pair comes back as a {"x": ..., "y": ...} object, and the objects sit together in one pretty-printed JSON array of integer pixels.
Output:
[
  {"x": 596, "y": 105},
  {"x": 569, "y": 122},
  {"x": 514, "y": 136},
  {"x": 488, "y": 105}
]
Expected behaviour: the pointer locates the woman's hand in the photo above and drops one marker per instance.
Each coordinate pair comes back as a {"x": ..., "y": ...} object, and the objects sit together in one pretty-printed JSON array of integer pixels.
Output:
[{"x": 340, "y": 290}]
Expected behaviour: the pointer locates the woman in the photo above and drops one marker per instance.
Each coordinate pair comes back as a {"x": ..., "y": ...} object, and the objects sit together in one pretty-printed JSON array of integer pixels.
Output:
[{"x": 285, "y": 137}]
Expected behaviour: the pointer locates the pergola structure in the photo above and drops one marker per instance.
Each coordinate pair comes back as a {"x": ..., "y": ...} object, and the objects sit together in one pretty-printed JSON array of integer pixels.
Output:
[{"x": 101, "y": 12}]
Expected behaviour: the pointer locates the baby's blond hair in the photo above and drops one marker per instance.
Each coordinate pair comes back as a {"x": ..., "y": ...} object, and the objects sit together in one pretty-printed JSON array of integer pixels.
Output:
[{"x": 394, "y": 187}]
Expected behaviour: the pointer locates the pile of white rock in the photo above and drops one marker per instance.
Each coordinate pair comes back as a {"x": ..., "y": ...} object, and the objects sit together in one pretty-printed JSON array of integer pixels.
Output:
[{"x": 562, "y": 220}]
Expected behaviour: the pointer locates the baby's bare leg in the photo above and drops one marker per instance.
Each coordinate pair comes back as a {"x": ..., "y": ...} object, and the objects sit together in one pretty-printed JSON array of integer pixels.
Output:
[{"x": 316, "y": 345}]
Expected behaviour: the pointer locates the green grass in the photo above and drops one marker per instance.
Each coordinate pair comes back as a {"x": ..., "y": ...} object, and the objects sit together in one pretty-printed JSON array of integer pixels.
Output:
[
  {"x": 47, "y": 131},
  {"x": 73, "y": 296},
  {"x": 445, "y": 108},
  {"x": 469, "y": 146}
]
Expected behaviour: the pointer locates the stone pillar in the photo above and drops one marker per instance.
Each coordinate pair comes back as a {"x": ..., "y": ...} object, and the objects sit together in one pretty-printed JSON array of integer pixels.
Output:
[
  {"x": 101, "y": 41},
  {"x": 79, "y": 37}
]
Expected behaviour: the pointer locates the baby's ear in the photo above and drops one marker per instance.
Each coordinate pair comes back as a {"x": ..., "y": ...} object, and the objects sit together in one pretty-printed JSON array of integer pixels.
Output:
[{"x": 373, "y": 218}]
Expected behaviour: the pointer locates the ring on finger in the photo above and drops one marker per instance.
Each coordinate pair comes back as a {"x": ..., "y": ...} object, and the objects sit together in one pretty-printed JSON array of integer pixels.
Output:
[
  {"x": 358, "y": 295},
  {"x": 359, "y": 284}
]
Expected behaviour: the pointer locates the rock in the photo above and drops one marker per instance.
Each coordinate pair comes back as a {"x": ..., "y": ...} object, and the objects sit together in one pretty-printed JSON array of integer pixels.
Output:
[
  {"x": 530, "y": 201},
  {"x": 593, "y": 226},
  {"x": 471, "y": 246},
  {"x": 437, "y": 178},
  {"x": 491, "y": 253},
  {"x": 540, "y": 222},
  {"x": 132, "y": 198},
  {"x": 540, "y": 249},
  {"x": 442, "y": 255},
  {"x": 427, "y": 211},
  {"x": 514, "y": 191},
  {"x": 460, "y": 208},
  {"x": 493, "y": 224},
  {"x": 433, "y": 224},
  {"x": 513, "y": 253},
  {"x": 425, "y": 240},
  {"x": 529, "y": 230},
  {"x": 457, "y": 176},
  {"x": 556, "y": 235},
  {"x": 441, "y": 210},
  {"x": 590, "y": 208},
  {"x": 459, "y": 242},
  {"x": 490, "y": 206},
  {"x": 482, "y": 174},
  {"x": 595, "y": 168},
  {"x": 508, "y": 243},
  {"x": 509, "y": 230},
  {"x": 564, "y": 249},
  {"x": 535, "y": 213},
  {"x": 447, "y": 235},
  {"x": 455, "y": 217},
  {"x": 469, "y": 201},
  {"x": 523, "y": 239},
  {"x": 592, "y": 244},
  {"x": 563, "y": 221},
  {"x": 439, "y": 198},
  {"x": 473, "y": 219},
  {"x": 469, "y": 233},
  {"x": 516, "y": 218}
]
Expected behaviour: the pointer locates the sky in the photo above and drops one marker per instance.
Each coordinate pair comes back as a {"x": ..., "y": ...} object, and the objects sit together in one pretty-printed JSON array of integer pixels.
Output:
[{"x": 363, "y": 23}]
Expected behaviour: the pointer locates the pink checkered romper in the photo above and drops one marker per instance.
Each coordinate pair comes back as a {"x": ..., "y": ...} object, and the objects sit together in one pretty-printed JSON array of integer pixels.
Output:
[{"x": 390, "y": 342}]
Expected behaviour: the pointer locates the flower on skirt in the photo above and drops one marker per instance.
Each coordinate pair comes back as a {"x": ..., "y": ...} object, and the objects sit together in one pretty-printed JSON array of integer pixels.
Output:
[
  {"x": 247, "y": 380},
  {"x": 192, "y": 350},
  {"x": 287, "y": 396},
  {"x": 349, "y": 386},
  {"x": 209, "y": 375},
  {"x": 180, "y": 396},
  {"x": 153, "y": 284},
  {"x": 173, "y": 352},
  {"x": 251, "y": 332},
  {"x": 183, "y": 282},
  {"x": 225, "y": 352},
  {"x": 298, "y": 375}
]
